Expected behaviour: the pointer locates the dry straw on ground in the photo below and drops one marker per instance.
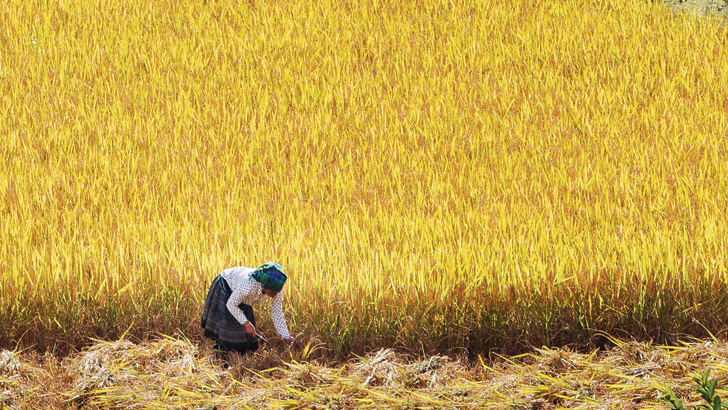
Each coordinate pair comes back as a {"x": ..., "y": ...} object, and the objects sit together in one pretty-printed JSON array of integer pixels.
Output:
[{"x": 172, "y": 373}]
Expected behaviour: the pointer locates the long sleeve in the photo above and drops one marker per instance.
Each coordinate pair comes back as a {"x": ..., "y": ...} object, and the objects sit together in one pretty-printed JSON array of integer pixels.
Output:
[
  {"x": 240, "y": 291},
  {"x": 279, "y": 320}
]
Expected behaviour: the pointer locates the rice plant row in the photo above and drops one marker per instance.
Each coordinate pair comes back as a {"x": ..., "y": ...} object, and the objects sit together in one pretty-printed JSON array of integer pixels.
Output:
[{"x": 433, "y": 175}]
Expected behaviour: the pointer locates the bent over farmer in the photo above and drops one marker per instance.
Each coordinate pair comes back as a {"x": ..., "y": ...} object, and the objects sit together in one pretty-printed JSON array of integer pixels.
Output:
[{"x": 228, "y": 317}]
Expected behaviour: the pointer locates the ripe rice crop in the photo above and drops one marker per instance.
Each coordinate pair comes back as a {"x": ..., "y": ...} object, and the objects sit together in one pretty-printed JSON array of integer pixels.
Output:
[{"x": 434, "y": 176}]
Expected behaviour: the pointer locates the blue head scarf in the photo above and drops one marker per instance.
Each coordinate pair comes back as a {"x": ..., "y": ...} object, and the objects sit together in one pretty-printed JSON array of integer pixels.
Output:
[{"x": 270, "y": 276}]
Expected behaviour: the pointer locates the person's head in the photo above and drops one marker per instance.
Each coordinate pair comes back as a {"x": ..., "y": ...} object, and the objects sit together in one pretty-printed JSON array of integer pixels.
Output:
[
  {"x": 271, "y": 278},
  {"x": 270, "y": 293}
]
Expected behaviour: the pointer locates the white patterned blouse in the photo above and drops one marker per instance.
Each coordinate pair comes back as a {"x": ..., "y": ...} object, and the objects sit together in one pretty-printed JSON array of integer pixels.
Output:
[{"x": 249, "y": 291}]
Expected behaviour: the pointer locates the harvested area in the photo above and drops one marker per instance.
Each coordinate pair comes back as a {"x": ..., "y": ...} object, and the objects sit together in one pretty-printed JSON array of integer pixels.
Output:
[{"x": 174, "y": 373}]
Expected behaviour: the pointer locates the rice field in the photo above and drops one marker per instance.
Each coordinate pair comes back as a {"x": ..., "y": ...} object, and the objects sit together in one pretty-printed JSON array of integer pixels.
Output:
[{"x": 436, "y": 177}]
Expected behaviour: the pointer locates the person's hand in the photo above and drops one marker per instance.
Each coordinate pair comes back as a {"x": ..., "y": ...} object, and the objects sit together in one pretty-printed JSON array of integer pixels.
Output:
[
  {"x": 249, "y": 329},
  {"x": 293, "y": 342}
]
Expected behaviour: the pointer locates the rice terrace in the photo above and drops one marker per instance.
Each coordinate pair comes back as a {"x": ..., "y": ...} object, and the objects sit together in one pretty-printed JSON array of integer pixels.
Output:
[{"x": 477, "y": 204}]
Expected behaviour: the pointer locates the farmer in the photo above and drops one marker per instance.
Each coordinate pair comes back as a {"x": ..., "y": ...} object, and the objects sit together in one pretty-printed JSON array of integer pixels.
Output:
[{"x": 228, "y": 317}]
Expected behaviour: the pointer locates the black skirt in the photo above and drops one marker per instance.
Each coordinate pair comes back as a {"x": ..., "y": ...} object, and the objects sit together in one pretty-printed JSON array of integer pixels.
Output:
[{"x": 220, "y": 325}]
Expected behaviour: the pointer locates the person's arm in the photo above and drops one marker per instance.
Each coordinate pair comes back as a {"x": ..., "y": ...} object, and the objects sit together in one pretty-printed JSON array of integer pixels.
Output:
[
  {"x": 236, "y": 298},
  {"x": 279, "y": 320}
]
